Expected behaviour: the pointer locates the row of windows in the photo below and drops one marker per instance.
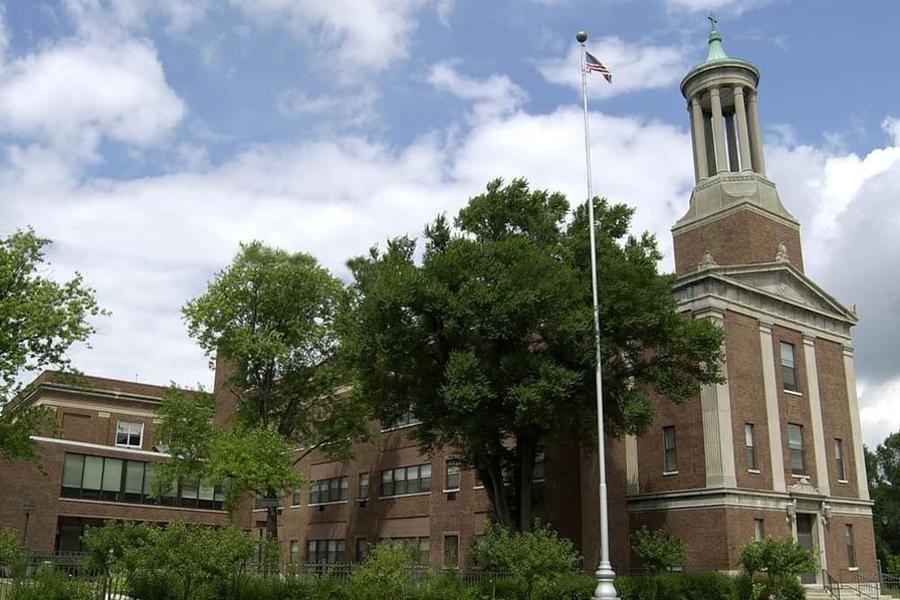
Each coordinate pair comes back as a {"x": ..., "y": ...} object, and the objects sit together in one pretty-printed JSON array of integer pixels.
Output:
[
  {"x": 406, "y": 480},
  {"x": 796, "y": 445},
  {"x": 118, "y": 480},
  {"x": 328, "y": 490}
]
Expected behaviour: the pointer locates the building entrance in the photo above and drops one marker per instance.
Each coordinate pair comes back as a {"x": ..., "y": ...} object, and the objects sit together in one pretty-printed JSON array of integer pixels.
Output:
[{"x": 806, "y": 537}]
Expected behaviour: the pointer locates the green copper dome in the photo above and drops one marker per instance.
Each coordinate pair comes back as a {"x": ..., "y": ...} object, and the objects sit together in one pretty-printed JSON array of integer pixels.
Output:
[{"x": 716, "y": 49}]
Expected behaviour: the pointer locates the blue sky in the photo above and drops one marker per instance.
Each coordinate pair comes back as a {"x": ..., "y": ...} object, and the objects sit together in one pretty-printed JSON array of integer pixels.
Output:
[{"x": 148, "y": 137}]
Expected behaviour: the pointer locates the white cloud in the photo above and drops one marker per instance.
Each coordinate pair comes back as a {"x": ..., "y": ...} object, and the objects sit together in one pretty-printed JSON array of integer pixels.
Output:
[
  {"x": 634, "y": 67},
  {"x": 76, "y": 92},
  {"x": 351, "y": 108},
  {"x": 879, "y": 414},
  {"x": 492, "y": 96},
  {"x": 350, "y": 33},
  {"x": 733, "y": 6}
]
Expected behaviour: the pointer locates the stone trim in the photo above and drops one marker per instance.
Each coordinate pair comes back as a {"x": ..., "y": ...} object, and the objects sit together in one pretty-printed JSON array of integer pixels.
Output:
[
  {"x": 90, "y": 446},
  {"x": 773, "y": 414},
  {"x": 815, "y": 411},
  {"x": 862, "y": 483},
  {"x": 631, "y": 465},
  {"x": 687, "y": 224},
  {"x": 100, "y": 408},
  {"x": 718, "y": 442}
]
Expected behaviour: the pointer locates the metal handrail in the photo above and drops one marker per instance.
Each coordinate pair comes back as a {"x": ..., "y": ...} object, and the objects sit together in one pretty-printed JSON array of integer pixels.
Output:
[
  {"x": 833, "y": 588},
  {"x": 866, "y": 584}
]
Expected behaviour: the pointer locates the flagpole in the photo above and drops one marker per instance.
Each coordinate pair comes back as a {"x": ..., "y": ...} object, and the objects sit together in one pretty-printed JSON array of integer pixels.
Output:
[{"x": 605, "y": 575}]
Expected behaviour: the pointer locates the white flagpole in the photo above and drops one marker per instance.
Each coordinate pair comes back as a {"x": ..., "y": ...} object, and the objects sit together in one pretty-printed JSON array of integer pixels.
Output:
[{"x": 605, "y": 574}]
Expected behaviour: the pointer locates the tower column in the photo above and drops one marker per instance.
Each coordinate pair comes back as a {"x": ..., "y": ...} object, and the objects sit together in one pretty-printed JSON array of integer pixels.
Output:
[
  {"x": 740, "y": 111},
  {"x": 759, "y": 164},
  {"x": 718, "y": 130},
  {"x": 698, "y": 133},
  {"x": 733, "y": 164}
]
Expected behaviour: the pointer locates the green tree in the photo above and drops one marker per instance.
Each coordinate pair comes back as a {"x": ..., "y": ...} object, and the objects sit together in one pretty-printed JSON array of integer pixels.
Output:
[
  {"x": 488, "y": 338},
  {"x": 883, "y": 469},
  {"x": 40, "y": 319},
  {"x": 270, "y": 315},
  {"x": 537, "y": 558},
  {"x": 777, "y": 558},
  {"x": 658, "y": 550}
]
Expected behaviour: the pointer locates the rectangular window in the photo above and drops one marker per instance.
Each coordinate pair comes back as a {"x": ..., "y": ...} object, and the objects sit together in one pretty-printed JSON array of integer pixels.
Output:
[
  {"x": 422, "y": 546},
  {"x": 788, "y": 368},
  {"x": 671, "y": 449},
  {"x": 851, "y": 546},
  {"x": 326, "y": 552},
  {"x": 362, "y": 491},
  {"x": 750, "y": 444},
  {"x": 451, "y": 477},
  {"x": 451, "y": 551},
  {"x": 295, "y": 550},
  {"x": 540, "y": 468},
  {"x": 324, "y": 491},
  {"x": 759, "y": 529},
  {"x": 131, "y": 481},
  {"x": 406, "y": 480},
  {"x": 798, "y": 453},
  {"x": 129, "y": 435},
  {"x": 407, "y": 419},
  {"x": 295, "y": 495},
  {"x": 839, "y": 459},
  {"x": 362, "y": 548}
]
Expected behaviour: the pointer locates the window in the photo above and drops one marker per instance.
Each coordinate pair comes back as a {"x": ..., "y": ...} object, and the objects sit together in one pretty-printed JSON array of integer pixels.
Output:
[
  {"x": 750, "y": 443},
  {"x": 671, "y": 450},
  {"x": 326, "y": 552},
  {"x": 406, "y": 480},
  {"x": 324, "y": 491},
  {"x": 407, "y": 419},
  {"x": 851, "y": 546},
  {"x": 788, "y": 368},
  {"x": 362, "y": 491},
  {"x": 540, "y": 468},
  {"x": 451, "y": 476},
  {"x": 422, "y": 545},
  {"x": 362, "y": 548},
  {"x": 798, "y": 454},
  {"x": 129, "y": 434},
  {"x": 451, "y": 551},
  {"x": 295, "y": 550},
  {"x": 759, "y": 529},
  {"x": 839, "y": 459},
  {"x": 296, "y": 495},
  {"x": 131, "y": 481}
]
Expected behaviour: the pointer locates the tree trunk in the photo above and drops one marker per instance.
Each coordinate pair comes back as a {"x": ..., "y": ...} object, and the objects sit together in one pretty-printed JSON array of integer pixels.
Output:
[
  {"x": 526, "y": 452},
  {"x": 492, "y": 476}
]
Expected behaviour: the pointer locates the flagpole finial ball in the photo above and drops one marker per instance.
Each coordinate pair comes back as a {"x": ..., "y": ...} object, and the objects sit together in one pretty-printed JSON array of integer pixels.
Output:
[{"x": 581, "y": 37}]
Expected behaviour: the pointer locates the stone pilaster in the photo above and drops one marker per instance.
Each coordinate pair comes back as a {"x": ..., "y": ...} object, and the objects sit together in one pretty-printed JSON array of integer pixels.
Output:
[
  {"x": 815, "y": 412},
  {"x": 718, "y": 130},
  {"x": 718, "y": 438},
  {"x": 740, "y": 111},
  {"x": 862, "y": 480},
  {"x": 773, "y": 414}
]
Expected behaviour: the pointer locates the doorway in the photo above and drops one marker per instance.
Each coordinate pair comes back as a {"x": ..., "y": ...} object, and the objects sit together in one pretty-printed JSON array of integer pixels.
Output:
[{"x": 807, "y": 537}]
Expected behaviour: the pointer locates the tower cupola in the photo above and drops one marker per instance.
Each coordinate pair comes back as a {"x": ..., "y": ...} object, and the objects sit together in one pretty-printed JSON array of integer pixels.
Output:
[{"x": 735, "y": 214}]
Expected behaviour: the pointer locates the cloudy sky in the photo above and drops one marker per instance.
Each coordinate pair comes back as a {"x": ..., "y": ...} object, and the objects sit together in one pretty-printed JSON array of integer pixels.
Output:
[{"x": 147, "y": 138}]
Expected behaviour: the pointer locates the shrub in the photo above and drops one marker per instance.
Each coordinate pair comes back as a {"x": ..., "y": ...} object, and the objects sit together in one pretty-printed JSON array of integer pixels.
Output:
[
  {"x": 658, "y": 550},
  {"x": 777, "y": 557},
  {"x": 570, "y": 586},
  {"x": 385, "y": 574},
  {"x": 539, "y": 555},
  {"x": 447, "y": 586},
  {"x": 701, "y": 586},
  {"x": 12, "y": 559},
  {"x": 52, "y": 585},
  {"x": 762, "y": 588}
]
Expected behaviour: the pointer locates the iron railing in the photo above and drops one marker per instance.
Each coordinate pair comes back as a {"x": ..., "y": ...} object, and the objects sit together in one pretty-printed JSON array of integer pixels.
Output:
[{"x": 831, "y": 585}]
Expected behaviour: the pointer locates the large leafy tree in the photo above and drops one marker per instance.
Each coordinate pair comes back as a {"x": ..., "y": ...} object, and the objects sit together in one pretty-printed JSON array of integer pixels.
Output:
[
  {"x": 883, "y": 469},
  {"x": 270, "y": 316},
  {"x": 488, "y": 337},
  {"x": 40, "y": 319}
]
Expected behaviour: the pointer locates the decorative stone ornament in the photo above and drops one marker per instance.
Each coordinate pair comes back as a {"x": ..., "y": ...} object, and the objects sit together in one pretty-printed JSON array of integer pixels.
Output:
[
  {"x": 782, "y": 254},
  {"x": 707, "y": 262}
]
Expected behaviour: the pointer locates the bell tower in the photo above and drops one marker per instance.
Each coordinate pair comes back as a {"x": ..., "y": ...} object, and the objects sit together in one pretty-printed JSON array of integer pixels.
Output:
[{"x": 736, "y": 216}]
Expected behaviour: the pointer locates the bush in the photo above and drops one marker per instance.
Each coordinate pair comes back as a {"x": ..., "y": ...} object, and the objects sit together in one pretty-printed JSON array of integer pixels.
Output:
[
  {"x": 52, "y": 585},
  {"x": 701, "y": 586},
  {"x": 385, "y": 574},
  {"x": 777, "y": 557},
  {"x": 658, "y": 550},
  {"x": 763, "y": 587},
  {"x": 12, "y": 559},
  {"x": 536, "y": 558},
  {"x": 570, "y": 586},
  {"x": 447, "y": 586}
]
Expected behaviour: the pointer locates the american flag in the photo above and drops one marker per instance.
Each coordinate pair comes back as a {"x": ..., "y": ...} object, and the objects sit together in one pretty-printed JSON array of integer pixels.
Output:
[{"x": 592, "y": 63}]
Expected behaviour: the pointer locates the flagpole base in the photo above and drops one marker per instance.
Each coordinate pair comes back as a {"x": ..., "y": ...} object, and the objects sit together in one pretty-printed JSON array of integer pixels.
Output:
[{"x": 605, "y": 589}]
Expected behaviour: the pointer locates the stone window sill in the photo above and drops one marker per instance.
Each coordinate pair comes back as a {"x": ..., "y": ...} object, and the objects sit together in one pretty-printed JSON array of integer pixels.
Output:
[
  {"x": 793, "y": 393},
  {"x": 754, "y": 471},
  {"x": 404, "y": 495},
  {"x": 328, "y": 503},
  {"x": 844, "y": 481},
  {"x": 668, "y": 473}
]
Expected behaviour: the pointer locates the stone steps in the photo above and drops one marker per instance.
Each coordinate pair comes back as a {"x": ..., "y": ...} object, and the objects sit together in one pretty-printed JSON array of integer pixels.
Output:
[{"x": 846, "y": 594}]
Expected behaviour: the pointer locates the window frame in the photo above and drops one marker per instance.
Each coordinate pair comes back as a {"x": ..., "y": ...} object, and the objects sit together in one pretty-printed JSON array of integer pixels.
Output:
[
  {"x": 839, "y": 460},
  {"x": 444, "y": 563},
  {"x": 797, "y": 451},
  {"x": 850, "y": 544},
  {"x": 452, "y": 464},
  {"x": 750, "y": 448},
  {"x": 791, "y": 368},
  {"x": 360, "y": 486},
  {"x": 398, "y": 478},
  {"x": 759, "y": 528},
  {"x": 667, "y": 449},
  {"x": 328, "y": 549},
  {"x": 332, "y": 490},
  {"x": 129, "y": 434}
]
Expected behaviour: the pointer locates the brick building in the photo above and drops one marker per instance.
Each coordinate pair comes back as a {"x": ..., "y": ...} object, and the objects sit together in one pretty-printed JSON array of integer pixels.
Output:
[
  {"x": 100, "y": 468},
  {"x": 774, "y": 450}
]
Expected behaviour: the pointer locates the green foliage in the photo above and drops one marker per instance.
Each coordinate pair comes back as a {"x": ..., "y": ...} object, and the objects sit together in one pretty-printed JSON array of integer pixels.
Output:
[
  {"x": 40, "y": 319},
  {"x": 497, "y": 317},
  {"x": 11, "y": 555},
  {"x": 701, "y": 586},
  {"x": 658, "y": 550},
  {"x": 883, "y": 468},
  {"x": 777, "y": 557},
  {"x": 764, "y": 588},
  {"x": 269, "y": 317},
  {"x": 385, "y": 573},
  {"x": 178, "y": 561},
  {"x": 52, "y": 585},
  {"x": 446, "y": 586},
  {"x": 538, "y": 558}
]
